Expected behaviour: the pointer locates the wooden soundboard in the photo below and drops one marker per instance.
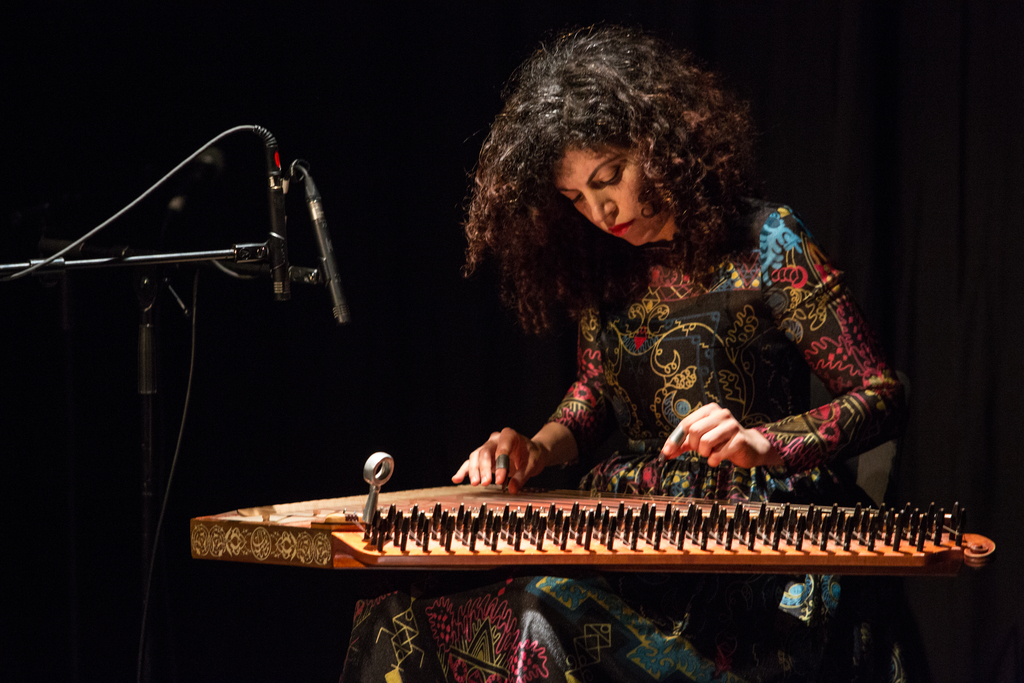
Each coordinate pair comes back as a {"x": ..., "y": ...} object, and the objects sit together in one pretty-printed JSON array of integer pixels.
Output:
[{"x": 464, "y": 527}]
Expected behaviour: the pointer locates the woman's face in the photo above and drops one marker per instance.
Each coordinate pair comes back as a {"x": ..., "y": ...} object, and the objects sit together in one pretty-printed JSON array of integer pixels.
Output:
[{"x": 604, "y": 187}]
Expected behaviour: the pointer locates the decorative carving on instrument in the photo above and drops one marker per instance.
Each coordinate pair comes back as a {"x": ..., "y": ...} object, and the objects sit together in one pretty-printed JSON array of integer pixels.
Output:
[{"x": 257, "y": 543}]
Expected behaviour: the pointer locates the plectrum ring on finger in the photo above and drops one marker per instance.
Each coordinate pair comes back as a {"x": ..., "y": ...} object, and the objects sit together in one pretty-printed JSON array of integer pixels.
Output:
[
  {"x": 501, "y": 462},
  {"x": 677, "y": 436}
]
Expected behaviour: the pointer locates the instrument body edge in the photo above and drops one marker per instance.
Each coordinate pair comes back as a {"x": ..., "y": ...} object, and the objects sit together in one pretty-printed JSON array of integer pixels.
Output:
[{"x": 330, "y": 534}]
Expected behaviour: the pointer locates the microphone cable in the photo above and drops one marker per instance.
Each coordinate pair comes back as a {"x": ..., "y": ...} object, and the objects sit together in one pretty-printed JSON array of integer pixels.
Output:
[
  {"x": 167, "y": 489},
  {"x": 268, "y": 140}
]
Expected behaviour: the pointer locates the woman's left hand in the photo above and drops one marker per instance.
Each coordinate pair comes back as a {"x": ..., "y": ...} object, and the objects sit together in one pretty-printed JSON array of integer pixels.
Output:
[{"x": 715, "y": 434}]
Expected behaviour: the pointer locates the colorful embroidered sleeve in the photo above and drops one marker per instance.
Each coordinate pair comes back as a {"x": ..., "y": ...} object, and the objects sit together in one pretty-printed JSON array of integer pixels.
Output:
[
  {"x": 813, "y": 307},
  {"x": 585, "y": 410}
]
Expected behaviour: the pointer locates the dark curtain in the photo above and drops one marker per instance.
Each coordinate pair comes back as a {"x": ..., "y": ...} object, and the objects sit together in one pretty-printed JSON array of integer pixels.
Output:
[{"x": 893, "y": 128}]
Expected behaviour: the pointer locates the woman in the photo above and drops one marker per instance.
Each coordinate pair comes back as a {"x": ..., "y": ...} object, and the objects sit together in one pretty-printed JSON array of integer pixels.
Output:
[
  {"x": 616, "y": 185},
  {"x": 620, "y": 132}
]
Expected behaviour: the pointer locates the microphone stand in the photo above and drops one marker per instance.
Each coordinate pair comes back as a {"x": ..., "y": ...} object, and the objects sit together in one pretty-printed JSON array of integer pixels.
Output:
[{"x": 251, "y": 259}]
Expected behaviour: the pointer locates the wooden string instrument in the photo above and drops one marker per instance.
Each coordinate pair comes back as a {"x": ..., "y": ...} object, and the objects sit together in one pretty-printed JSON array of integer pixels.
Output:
[{"x": 463, "y": 527}]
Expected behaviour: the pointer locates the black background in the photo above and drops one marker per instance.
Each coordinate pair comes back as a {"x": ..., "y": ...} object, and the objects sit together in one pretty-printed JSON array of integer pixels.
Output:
[{"x": 894, "y": 129}]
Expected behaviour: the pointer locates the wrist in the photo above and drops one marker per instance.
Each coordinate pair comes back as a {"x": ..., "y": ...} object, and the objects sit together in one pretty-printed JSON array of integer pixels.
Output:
[
  {"x": 773, "y": 458},
  {"x": 556, "y": 445},
  {"x": 770, "y": 456},
  {"x": 542, "y": 454}
]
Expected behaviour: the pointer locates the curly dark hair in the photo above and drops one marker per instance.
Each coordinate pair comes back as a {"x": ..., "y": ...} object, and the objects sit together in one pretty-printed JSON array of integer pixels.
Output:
[{"x": 605, "y": 89}]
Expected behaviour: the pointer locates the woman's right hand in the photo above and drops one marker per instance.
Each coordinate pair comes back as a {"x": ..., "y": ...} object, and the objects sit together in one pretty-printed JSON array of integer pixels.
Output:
[{"x": 526, "y": 458}]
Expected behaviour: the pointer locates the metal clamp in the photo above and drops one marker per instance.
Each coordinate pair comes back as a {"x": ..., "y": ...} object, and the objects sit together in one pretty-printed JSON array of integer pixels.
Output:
[{"x": 376, "y": 472}]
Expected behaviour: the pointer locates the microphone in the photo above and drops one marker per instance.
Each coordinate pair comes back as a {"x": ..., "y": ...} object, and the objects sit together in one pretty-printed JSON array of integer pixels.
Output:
[
  {"x": 323, "y": 243},
  {"x": 277, "y": 242}
]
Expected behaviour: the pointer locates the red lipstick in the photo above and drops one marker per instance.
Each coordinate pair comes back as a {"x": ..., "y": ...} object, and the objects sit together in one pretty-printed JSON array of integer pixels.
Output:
[{"x": 620, "y": 229}]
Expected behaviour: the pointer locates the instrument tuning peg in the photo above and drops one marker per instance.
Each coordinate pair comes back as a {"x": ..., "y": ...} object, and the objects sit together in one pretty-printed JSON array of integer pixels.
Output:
[{"x": 376, "y": 472}]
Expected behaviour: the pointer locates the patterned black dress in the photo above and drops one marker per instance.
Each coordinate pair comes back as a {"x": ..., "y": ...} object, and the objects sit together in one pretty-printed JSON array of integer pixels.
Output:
[{"x": 774, "y": 314}]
